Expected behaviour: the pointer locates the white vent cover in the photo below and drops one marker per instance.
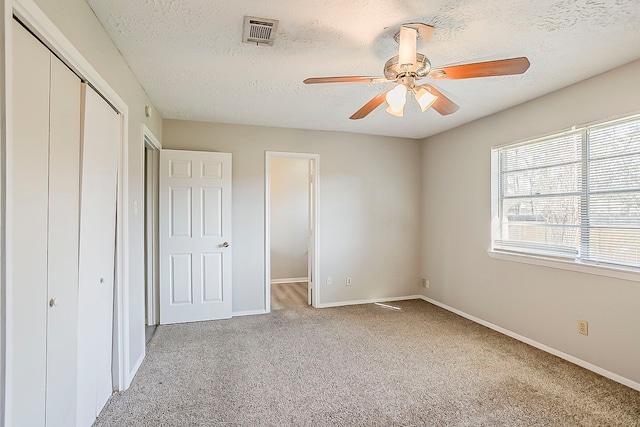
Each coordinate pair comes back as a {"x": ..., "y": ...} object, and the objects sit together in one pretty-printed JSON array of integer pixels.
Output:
[{"x": 259, "y": 30}]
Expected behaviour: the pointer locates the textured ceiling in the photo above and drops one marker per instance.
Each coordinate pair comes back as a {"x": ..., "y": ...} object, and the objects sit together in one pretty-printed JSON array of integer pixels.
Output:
[{"x": 189, "y": 57}]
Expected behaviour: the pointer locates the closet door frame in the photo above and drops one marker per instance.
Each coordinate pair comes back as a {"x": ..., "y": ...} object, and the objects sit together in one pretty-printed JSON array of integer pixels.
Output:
[{"x": 41, "y": 26}]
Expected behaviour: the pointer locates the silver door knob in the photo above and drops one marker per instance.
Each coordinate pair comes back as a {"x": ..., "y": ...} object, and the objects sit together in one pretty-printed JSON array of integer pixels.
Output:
[
  {"x": 225, "y": 245},
  {"x": 53, "y": 302}
]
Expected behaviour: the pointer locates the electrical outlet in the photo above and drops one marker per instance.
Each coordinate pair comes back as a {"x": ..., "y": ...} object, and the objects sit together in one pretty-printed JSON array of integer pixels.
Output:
[
  {"x": 583, "y": 327},
  {"x": 425, "y": 283},
  {"x": 329, "y": 280},
  {"x": 348, "y": 281}
]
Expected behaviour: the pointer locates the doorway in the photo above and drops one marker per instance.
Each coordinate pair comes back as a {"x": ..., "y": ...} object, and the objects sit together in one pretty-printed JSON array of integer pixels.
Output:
[
  {"x": 151, "y": 179},
  {"x": 291, "y": 244}
]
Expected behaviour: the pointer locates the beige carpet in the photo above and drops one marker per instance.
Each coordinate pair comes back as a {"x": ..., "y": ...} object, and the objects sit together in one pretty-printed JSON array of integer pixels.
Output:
[{"x": 360, "y": 366}]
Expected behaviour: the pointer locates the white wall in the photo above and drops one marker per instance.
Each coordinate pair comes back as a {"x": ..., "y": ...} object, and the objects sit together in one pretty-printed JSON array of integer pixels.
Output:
[
  {"x": 540, "y": 303},
  {"x": 76, "y": 20},
  {"x": 289, "y": 217},
  {"x": 369, "y": 203}
]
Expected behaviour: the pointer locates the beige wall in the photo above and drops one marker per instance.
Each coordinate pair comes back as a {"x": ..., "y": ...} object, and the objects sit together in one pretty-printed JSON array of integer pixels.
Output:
[
  {"x": 289, "y": 217},
  {"x": 537, "y": 302},
  {"x": 369, "y": 203},
  {"x": 76, "y": 20}
]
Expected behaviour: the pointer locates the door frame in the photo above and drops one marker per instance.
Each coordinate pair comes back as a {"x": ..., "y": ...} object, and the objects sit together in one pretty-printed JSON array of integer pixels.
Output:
[
  {"x": 5, "y": 153},
  {"x": 152, "y": 183},
  {"x": 43, "y": 28},
  {"x": 314, "y": 258}
]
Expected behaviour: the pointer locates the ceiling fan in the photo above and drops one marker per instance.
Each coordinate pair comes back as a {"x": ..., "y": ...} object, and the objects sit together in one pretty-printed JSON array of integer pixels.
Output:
[{"x": 409, "y": 66}]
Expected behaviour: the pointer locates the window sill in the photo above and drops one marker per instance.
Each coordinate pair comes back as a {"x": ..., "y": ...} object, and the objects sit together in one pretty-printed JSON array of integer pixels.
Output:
[{"x": 599, "y": 270}]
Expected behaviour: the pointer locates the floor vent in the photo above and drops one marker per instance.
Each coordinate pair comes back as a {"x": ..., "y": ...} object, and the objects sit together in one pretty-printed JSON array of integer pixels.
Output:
[{"x": 259, "y": 30}]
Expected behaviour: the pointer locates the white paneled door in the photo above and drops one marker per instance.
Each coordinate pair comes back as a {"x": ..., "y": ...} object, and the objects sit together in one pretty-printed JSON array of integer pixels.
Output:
[{"x": 195, "y": 236}]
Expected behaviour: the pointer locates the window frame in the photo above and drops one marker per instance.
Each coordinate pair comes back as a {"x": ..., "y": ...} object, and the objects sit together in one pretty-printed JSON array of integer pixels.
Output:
[{"x": 581, "y": 261}]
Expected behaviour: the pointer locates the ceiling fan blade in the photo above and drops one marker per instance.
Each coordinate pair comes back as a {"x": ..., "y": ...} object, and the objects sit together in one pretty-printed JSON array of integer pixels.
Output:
[
  {"x": 369, "y": 106},
  {"x": 443, "y": 105},
  {"x": 501, "y": 67},
  {"x": 345, "y": 79}
]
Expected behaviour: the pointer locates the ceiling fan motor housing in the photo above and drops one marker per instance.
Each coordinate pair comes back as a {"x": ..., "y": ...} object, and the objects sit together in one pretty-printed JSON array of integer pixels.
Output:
[{"x": 393, "y": 70}]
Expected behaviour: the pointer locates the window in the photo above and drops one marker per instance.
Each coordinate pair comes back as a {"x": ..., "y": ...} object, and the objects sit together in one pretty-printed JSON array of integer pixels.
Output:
[{"x": 574, "y": 195}]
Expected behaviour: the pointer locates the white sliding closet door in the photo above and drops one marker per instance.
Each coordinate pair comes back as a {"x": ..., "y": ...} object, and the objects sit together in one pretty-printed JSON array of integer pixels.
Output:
[
  {"x": 100, "y": 142},
  {"x": 64, "y": 216},
  {"x": 29, "y": 204},
  {"x": 45, "y": 196}
]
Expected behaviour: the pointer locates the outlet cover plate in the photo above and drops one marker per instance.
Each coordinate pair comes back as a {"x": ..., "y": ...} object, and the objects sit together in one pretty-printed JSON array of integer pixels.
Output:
[{"x": 583, "y": 327}]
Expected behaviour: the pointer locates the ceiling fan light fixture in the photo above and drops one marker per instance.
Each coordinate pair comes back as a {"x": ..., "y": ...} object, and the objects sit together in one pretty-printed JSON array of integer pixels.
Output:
[
  {"x": 408, "y": 47},
  {"x": 396, "y": 98},
  {"x": 424, "y": 98},
  {"x": 397, "y": 113}
]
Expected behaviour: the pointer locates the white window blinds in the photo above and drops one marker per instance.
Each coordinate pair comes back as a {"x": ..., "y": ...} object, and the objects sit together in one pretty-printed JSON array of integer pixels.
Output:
[{"x": 574, "y": 195}]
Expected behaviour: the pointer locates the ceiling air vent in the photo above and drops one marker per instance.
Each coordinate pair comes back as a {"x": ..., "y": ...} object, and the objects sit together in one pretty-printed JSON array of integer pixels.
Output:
[{"x": 259, "y": 30}]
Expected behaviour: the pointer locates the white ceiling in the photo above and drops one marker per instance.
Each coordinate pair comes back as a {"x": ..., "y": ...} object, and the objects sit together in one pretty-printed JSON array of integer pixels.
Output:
[{"x": 189, "y": 57}]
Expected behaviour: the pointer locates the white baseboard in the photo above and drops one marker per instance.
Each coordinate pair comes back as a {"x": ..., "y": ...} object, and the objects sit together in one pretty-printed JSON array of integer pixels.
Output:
[
  {"x": 247, "y": 313},
  {"x": 290, "y": 280},
  {"x": 598, "y": 370},
  {"x": 367, "y": 301}
]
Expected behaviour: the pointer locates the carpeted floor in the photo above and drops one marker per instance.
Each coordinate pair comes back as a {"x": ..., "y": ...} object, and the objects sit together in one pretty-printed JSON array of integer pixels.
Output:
[{"x": 360, "y": 366}]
